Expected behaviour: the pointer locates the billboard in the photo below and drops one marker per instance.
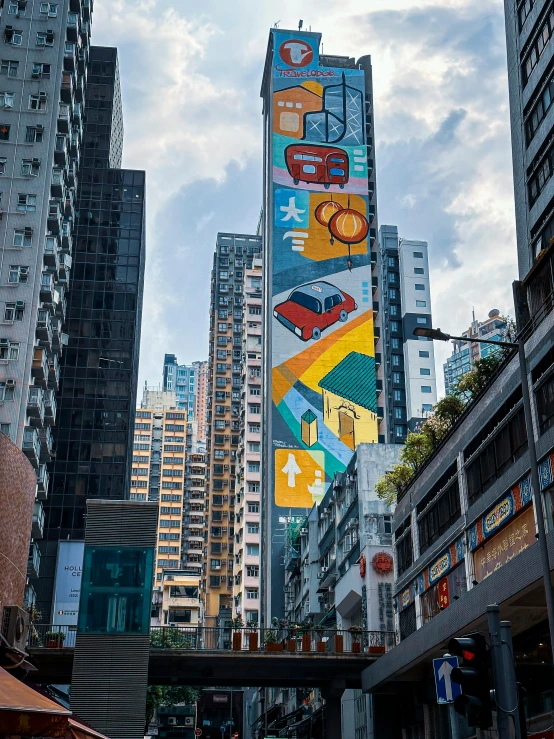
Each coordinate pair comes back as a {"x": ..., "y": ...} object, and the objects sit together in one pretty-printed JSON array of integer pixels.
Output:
[
  {"x": 321, "y": 363},
  {"x": 67, "y": 585}
]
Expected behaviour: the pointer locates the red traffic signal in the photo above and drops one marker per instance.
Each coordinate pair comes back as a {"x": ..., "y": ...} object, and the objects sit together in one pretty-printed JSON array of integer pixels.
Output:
[{"x": 473, "y": 676}]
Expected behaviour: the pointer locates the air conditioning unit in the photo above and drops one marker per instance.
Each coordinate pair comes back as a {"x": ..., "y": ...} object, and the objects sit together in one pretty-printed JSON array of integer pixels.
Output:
[
  {"x": 324, "y": 569},
  {"x": 304, "y": 531},
  {"x": 20, "y": 304},
  {"x": 189, "y": 720},
  {"x": 4, "y": 342},
  {"x": 16, "y": 626},
  {"x": 10, "y": 383},
  {"x": 172, "y": 721}
]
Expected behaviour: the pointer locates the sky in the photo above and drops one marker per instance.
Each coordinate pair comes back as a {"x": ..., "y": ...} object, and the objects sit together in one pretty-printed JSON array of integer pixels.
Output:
[{"x": 191, "y": 75}]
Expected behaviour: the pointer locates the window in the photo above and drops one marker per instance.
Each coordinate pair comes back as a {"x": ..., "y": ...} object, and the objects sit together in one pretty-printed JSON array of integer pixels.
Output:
[
  {"x": 26, "y": 203},
  {"x": 34, "y": 135},
  {"x": 254, "y": 428},
  {"x": 6, "y": 99},
  {"x": 37, "y": 102},
  {"x": 395, "y": 326},
  {"x": 253, "y": 507},
  {"x": 253, "y": 528},
  {"x": 215, "y": 581},
  {"x": 253, "y": 550},
  {"x": 17, "y": 274},
  {"x": 49, "y": 10},
  {"x": 255, "y": 391},
  {"x": 404, "y": 554},
  {"x": 392, "y": 261},
  {"x": 394, "y": 311},
  {"x": 387, "y": 524},
  {"x": 9, "y": 349},
  {"x": 523, "y": 11},
  {"x": 7, "y": 390},
  {"x": 396, "y": 360},
  {"x": 399, "y": 413},
  {"x": 426, "y": 388},
  {"x": 22, "y": 237},
  {"x": 419, "y": 286},
  {"x": 424, "y": 371},
  {"x": 13, "y": 36},
  {"x": 426, "y": 408},
  {"x": 396, "y": 378},
  {"x": 255, "y": 310},
  {"x": 418, "y": 255},
  {"x": 4, "y": 132},
  {"x": 30, "y": 167},
  {"x": 45, "y": 38},
  {"x": 444, "y": 512},
  {"x": 424, "y": 354},
  {"x": 254, "y": 409},
  {"x": 393, "y": 293},
  {"x": 536, "y": 47},
  {"x": 253, "y": 466},
  {"x": 422, "y": 320},
  {"x": 252, "y": 593},
  {"x": 9, "y": 68},
  {"x": 5, "y": 428},
  {"x": 421, "y": 304},
  {"x": 419, "y": 271},
  {"x": 179, "y": 615},
  {"x": 542, "y": 106},
  {"x": 398, "y": 395},
  {"x": 215, "y": 564},
  {"x": 252, "y": 571},
  {"x": 14, "y": 311},
  {"x": 253, "y": 487},
  {"x": 41, "y": 71},
  {"x": 17, "y": 7},
  {"x": 253, "y": 446}
]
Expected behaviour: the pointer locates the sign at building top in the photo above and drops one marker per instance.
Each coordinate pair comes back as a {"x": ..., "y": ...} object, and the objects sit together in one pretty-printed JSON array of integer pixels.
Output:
[{"x": 382, "y": 563}]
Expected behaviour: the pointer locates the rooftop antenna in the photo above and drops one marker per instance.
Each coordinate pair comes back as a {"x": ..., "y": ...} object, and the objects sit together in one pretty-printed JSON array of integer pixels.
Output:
[
  {"x": 276, "y": 24},
  {"x": 300, "y": 24}
]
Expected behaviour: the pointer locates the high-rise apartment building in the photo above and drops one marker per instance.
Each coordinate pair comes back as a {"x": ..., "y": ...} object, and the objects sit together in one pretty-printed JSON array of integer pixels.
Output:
[
  {"x": 409, "y": 361},
  {"x": 234, "y": 255},
  {"x": 246, "y": 586},
  {"x": 183, "y": 380},
  {"x": 201, "y": 399},
  {"x": 464, "y": 354},
  {"x": 322, "y": 333},
  {"x": 44, "y": 58},
  {"x": 98, "y": 373}
]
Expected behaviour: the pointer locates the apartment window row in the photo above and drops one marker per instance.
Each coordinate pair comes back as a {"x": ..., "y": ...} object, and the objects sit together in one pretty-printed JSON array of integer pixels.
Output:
[
  {"x": 169, "y": 536},
  {"x": 439, "y": 517},
  {"x": 174, "y": 448},
  {"x": 168, "y": 550},
  {"x": 19, "y": 7},
  {"x": 523, "y": 11},
  {"x": 141, "y": 447},
  {"x": 143, "y": 414},
  {"x": 404, "y": 553},
  {"x": 138, "y": 471},
  {"x": 170, "y": 510},
  {"x": 540, "y": 109},
  {"x": 143, "y": 426},
  {"x": 169, "y": 524},
  {"x": 141, "y": 459},
  {"x": 541, "y": 175},
  {"x": 173, "y": 460},
  {"x": 537, "y": 47},
  {"x": 139, "y": 483},
  {"x": 14, "y": 311},
  {"x": 172, "y": 485}
]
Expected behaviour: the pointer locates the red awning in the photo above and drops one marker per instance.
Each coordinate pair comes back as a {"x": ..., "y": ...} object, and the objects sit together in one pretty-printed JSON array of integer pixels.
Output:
[{"x": 26, "y": 712}]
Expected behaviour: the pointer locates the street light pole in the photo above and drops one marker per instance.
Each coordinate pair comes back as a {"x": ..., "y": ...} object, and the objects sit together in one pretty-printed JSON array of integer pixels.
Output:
[{"x": 437, "y": 334}]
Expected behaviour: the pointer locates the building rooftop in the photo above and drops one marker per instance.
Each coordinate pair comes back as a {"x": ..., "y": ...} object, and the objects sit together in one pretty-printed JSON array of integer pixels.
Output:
[{"x": 354, "y": 379}]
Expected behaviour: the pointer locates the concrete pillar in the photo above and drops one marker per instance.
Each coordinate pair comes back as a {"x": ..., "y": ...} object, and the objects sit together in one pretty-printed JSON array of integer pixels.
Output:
[{"x": 332, "y": 693}]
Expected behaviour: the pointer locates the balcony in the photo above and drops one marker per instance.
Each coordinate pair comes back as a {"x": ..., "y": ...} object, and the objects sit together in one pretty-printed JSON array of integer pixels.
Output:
[
  {"x": 46, "y": 445},
  {"x": 35, "y": 406},
  {"x": 72, "y": 27},
  {"x": 69, "y": 56},
  {"x": 67, "y": 92},
  {"x": 37, "y": 529},
  {"x": 39, "y": 369},
  {"x": 47, "y": 287},
  {"x": 31, "y": 445},
  {"x": 65, "y": 268},
  {"x": 57, "y": 182},
  {"x": 61, "y": 155},
  {"x": 49, "y": 408},
  {"x": 67, "y": 237},
  {"x": 42, "y": 482},
  {"x": 50, "y": 254},
  {"x": 33, "y": 564},
  {"x": 53, "y": 373},
  {"x": 63, "y": 117},
  {"x": 69, "y": 205}
]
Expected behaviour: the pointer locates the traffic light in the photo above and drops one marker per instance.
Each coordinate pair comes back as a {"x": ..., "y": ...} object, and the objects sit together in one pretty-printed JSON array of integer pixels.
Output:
[{"x": 475, "y": 702}]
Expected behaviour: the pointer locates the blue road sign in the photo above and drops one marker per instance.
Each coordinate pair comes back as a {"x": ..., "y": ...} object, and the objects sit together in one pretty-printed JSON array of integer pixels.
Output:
[{"x": 447, "y": 691}]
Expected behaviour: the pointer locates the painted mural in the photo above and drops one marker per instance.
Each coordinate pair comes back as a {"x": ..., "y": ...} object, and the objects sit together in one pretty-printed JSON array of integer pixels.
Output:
[{"x": 323, "y": 360}]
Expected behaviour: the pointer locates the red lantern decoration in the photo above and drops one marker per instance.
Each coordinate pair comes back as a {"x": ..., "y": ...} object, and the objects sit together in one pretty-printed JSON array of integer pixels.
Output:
[
  {"x": 326, "y": 210},
  {"x": 348, "y": 226},
  {"x": 362, "y": 565}
]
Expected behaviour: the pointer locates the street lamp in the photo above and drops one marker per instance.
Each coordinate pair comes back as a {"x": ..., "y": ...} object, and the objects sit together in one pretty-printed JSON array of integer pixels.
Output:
[{"x": 435, "y": 334}]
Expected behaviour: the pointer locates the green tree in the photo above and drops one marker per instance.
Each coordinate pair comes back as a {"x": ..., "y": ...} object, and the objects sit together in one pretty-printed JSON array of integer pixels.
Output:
[
  {"x": 477, "y": 379},
  {"x": 416, "y": 450},
  {"x": 172, "y": 638},
  {"x": 393, "y": 483},
  {"x": 164, "y": 695}
]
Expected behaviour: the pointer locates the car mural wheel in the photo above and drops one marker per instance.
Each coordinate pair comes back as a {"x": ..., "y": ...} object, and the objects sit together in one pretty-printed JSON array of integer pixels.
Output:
[
  {"x": 327, "y": 185},
  {"x": 316, "y": 333},
  {"x": 343, "y": 315},
  {"x": 341, "y": 187},
  {"x": 296, "y": 182}
]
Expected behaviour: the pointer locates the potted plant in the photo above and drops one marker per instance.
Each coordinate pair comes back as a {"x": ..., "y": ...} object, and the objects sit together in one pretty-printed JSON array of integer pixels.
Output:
[
  {"x": 304, "y": 630},
  {"x": 319, "y": 644},
  {"x": 54, "y": 639},
  {"x": 338, "y": 643},
  {"x": 356, "y": 634},
  {"x": 270, "y": 641},
  {"x": 253, "y": 637},
  {"x": 237, "y": 623},
  {"x": 291, "y": 637},
  {"x": 377, "y": 649}
]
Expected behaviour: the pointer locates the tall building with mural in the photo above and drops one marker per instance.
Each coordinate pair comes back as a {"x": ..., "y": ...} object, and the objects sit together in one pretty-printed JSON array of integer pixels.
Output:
[
  {"x": 234, "y": 255},
  {"x": 321, "y": 331}
]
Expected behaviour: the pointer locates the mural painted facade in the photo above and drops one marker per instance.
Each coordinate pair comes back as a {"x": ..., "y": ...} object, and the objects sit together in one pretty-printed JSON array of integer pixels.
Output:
[{"x": 323, "y": 386}]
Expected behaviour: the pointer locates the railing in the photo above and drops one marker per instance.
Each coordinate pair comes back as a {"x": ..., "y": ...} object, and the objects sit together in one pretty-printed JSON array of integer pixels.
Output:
[{"x": 208, "y": 638}]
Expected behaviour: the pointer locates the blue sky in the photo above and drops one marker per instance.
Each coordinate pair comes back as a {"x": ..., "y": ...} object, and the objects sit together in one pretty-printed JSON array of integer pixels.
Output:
[{"x": 191, "y": 75}]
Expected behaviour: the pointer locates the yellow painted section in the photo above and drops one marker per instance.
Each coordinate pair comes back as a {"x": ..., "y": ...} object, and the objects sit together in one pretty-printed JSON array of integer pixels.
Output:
[
  {"x": 340, "y": 414},
  {"x": 299, "y": 478}
]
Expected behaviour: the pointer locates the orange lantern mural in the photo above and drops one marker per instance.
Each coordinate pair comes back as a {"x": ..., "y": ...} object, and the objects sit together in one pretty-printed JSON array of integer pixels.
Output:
[
  {"x": 326, "y": 210},
  {"x": 348, "y": 226}
]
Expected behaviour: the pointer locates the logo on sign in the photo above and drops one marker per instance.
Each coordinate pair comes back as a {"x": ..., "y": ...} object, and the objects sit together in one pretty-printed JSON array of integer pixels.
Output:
[
  {"x": 498, "y": 515},
  {"x": 296, "y": 53},
  {"x": 441, "y": 566},
  {"x": 382, "y": 563},
  {"x": 405, "y": 598}
]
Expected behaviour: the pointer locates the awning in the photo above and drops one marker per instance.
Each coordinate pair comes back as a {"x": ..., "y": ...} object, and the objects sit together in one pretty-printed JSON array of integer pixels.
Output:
[
  {"x": 24, "y": 711},
  {"x": 77, "y": 730}
]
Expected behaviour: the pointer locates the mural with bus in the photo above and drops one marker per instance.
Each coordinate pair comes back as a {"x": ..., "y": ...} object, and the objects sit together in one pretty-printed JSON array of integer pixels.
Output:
[{"x": 323, "y": 380}]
